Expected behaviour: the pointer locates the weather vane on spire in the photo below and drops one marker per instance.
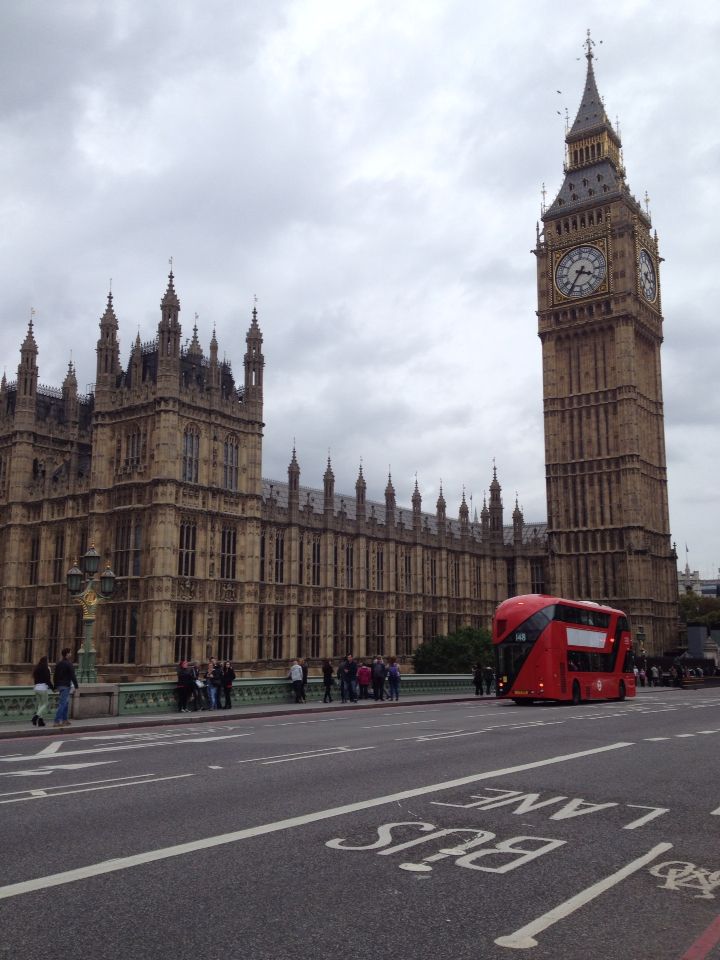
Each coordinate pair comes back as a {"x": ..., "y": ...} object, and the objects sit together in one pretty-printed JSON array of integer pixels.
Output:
[
  {"x": 170, "y": 261},
  {"x": 589, "y": 43}
]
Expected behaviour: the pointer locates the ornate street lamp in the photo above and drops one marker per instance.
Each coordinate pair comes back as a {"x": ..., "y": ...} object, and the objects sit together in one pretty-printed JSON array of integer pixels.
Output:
[{"x": 88, "y": 592}]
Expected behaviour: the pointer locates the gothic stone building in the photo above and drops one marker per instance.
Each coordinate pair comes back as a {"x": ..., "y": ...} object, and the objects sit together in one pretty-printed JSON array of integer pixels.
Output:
[
  {"x": 600, "y": 324},
  {"x": 161, "y": 467}
]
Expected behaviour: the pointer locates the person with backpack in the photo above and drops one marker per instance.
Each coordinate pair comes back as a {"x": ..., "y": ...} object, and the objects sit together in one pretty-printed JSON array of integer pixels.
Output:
[{"x": 393, "y": 676}]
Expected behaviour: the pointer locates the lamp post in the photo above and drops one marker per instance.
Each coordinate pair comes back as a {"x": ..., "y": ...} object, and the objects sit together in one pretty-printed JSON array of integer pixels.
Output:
[
  {"x": 88, "y": 592},
  {"x": 640, "y": 634}
]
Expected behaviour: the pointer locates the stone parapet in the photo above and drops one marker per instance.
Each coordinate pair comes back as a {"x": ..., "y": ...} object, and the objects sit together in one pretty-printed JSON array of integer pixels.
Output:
[{"x": 153, "y": 699}]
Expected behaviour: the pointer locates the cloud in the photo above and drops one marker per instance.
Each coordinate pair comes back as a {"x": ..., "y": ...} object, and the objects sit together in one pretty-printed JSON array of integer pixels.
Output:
[{"x": 373, "y": 175}]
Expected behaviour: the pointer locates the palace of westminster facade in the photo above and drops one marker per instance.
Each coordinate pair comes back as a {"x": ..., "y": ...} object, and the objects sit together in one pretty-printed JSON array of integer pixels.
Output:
[{"x": 161, "y": 467}]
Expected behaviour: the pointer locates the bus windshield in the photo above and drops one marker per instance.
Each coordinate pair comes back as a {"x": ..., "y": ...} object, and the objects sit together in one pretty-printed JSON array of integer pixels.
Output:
[{"x": 511, "y": 651}]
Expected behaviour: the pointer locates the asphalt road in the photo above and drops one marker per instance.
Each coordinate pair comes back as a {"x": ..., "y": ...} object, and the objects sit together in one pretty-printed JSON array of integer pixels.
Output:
[{"x": 464, "y": 830}]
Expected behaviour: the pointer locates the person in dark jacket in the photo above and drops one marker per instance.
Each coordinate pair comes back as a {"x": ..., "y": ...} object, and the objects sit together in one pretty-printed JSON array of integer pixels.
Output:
[
  {"x": 42, "y": 683},
  {"x": 379, "y": 672},
  {"x": 489, "y": 679},
  {"x": 328, "y": 680},
  {"x": 478, "y": 679},
  {"x": 63, "y": 681},
  {"x": 198, "y": 699},
  {"x": 348, "y": 679},
  {"x": 303, "y": 664},
  {"x": 228, "y": 678},
  {"x": 185, "y": 684}
]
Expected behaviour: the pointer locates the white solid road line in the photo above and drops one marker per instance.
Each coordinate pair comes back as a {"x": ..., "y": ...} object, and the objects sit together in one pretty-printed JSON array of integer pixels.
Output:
[
  {"x": 524, "y": 938},
  {"x": 61, "y": 792},
  {"x": 137, "y": 745},
  {"x": 164, "y": 853},
  {"x": 315, "y": 756}
]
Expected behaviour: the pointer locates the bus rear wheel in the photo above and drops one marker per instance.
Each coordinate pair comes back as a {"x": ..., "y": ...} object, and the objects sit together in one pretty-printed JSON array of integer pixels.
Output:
[
  {"x": 621, "y": 690},
  {"x": 576, "y": 697}
]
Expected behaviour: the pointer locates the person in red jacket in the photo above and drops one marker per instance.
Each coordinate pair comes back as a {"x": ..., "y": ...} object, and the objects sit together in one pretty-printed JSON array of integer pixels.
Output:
[{"x": 364, "y": 676}]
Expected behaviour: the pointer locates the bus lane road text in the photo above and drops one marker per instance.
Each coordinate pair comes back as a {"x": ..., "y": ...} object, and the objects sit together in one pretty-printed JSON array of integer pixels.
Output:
[{"x": 557, "y": 807}]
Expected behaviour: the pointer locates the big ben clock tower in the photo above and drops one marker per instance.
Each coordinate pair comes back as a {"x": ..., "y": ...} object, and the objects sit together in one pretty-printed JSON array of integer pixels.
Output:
[{"x": 600, "y": 324}]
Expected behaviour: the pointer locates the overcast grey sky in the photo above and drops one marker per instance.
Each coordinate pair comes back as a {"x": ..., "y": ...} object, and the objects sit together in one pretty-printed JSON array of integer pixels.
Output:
[{"x": 372, "y": 172}]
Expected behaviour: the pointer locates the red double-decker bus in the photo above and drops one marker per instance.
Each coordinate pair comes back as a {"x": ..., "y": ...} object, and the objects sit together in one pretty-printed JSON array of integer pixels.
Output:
[{"x": 547, "y": 648}]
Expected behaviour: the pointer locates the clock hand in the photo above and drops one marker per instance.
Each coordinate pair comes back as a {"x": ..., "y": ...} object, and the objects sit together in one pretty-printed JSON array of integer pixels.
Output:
[{"x": 580, "y": 272}]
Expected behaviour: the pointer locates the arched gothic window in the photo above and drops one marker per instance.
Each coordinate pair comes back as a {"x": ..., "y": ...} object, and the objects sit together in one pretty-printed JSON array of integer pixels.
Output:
[{"x": 191, "y": 455}]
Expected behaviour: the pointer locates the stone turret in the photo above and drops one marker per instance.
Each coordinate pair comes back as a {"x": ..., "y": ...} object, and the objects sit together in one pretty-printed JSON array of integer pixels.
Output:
[
  {"x": 71, "y": 408},
  {"x": 464, "y": 515},
  {"x": 293, "y": 485},
  {"x": 441, "y": 511},
  {"x": 360, "y": 489},
  {"x": 169, "y": 331},
  {"x": 108, "y": 355},
  {"x": 254, "y": 363},
  {"x": 518, "y": 523},
  {"x": 27, "y": 381},
  {"x": 328, "y": 491},
  {"x": 417, "y": 508},
  {"x": 496, "y": 510},
  {"x": 390, "y": 503}
]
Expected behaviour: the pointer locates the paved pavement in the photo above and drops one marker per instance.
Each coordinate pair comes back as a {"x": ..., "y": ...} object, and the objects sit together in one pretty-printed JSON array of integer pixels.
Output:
[{"x": 9, "y": 731}]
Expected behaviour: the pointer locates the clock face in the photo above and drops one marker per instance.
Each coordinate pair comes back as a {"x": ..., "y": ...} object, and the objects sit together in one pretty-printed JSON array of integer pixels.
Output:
[
  {"x": 580, "y": 272},
  {"x": 647, "y": 276}
]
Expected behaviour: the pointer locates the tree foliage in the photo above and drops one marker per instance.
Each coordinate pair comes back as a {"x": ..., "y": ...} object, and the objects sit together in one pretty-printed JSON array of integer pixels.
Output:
[
  {"x": 697, "y": 609},
  {"x": 456, "y": 653}
]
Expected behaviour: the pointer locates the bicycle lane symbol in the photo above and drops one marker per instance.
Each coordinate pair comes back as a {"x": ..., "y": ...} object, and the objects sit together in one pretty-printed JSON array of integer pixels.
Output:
[{"x": 681, "y": 875}]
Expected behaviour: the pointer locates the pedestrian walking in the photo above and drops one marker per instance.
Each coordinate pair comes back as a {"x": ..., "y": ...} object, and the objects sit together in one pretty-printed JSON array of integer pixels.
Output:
[
  {"x": 328, "y": 680},
  {"x": 42, "y": 684},
  {"x": 296, "y": 678},
  {"x": 489, "y": 679},
  {"x": 185, "y": 685},
  {"x": 393, "y": 676},
  {"x": 478, "y": 679},
  {"x": 228, "y": 680},
  {"x": 64, "y": 680}
]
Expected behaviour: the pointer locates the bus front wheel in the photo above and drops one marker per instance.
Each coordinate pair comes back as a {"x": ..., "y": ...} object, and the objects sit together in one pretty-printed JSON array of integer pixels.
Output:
[
  {"x": 576, "y": 698},
  {"x": 621, "y": 690}
]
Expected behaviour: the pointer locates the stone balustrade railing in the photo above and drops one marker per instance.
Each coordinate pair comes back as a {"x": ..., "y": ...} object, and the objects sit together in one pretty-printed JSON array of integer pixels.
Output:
[{"x": 17, "y": 704}]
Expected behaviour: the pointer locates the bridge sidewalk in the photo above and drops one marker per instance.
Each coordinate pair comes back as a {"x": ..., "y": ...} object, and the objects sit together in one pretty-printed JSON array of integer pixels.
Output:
[{"x": 24, "y": 729}]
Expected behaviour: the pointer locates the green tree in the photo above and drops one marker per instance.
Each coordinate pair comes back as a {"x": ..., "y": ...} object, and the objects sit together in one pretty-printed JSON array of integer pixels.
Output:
[
  {"x": 456, "y": 653},
  {"x": 697, "y": 609}
]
